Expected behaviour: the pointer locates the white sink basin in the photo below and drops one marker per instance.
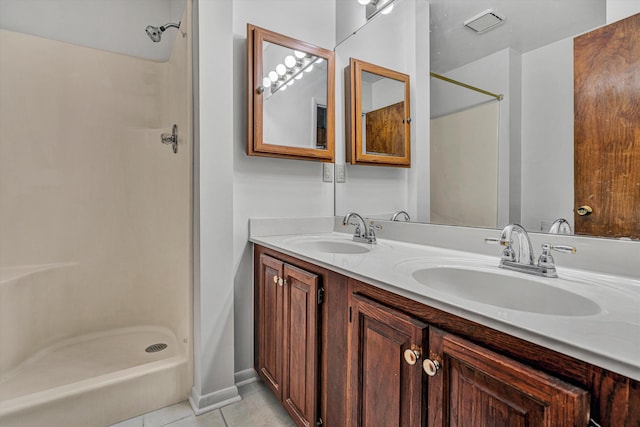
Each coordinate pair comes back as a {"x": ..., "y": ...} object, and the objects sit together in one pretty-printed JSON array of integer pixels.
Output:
[
  {"x": 330, "y": 245},
  {"x": 506, "y": 291},
  {"x": 334, "y": 247}
]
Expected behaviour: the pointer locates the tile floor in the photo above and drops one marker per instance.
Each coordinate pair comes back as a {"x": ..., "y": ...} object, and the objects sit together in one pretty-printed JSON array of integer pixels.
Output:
[{"x": 258, "y": 407}]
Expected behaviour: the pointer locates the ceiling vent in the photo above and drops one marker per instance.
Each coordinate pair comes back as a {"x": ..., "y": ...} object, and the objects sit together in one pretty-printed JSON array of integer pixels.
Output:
[{"x": 484, "y": 21}]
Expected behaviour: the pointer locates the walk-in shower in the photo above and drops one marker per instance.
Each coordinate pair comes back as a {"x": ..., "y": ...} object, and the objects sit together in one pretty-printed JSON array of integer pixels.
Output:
[
  {"x": 95, "y": 247},
  {"x": 155, "y": 33}
]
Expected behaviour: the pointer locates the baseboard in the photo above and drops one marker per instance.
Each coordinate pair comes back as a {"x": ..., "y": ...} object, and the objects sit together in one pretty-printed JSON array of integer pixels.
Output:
[
  {"x": 209, "y": 402},
  {"x": 245, "y": 377}
]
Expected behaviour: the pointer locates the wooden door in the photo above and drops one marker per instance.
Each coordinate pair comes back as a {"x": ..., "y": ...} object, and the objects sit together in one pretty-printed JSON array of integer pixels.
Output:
[
  {"x": 300, "y": 344},
  {"x": 269, "y": 322},
  {"x": 607, "y": 129},
  {"x": 383, "y": 388},
  {"x": 477, "y": 387},
  {"x": 385, "y": 130}
]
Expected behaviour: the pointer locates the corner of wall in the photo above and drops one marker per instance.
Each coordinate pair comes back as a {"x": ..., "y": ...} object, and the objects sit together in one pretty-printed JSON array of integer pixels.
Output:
[
  {"x": 213, "y": 327},
  {"x": 515, "y": 136}
]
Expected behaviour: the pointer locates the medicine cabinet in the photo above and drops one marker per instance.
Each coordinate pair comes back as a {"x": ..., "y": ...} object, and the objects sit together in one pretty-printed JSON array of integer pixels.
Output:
[
  {"x": 291, "y": 86},
  {"x": 378, "y": 130}
]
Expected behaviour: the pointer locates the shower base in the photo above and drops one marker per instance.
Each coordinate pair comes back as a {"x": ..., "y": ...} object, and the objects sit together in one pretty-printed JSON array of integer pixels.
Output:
[{"x": 96, "y": 379}]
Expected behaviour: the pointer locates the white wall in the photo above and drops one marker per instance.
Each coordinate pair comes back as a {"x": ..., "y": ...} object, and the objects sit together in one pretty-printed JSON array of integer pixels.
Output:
[
  {"x": 113, "y": 25},
  {"x": 620, "y": 9},
  {"x": 214, "y": 382},
  {"x": 268, "y": 187},
  {"x": 350, "y": 15},
  {"x": 386, "y": 92},
  {"x": 547, "y": 135}
]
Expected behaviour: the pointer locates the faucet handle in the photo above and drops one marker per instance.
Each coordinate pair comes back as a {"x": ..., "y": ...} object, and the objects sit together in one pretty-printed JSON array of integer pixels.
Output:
[
  {"x": 496, "y": 241},
  {"x": 547, "y": 261},
  {"x": 373, "y": 226},
  {"x": 357, "y": 231},
  {"x": 508, "y": 254},
  {"x": 546, "y": 247}
]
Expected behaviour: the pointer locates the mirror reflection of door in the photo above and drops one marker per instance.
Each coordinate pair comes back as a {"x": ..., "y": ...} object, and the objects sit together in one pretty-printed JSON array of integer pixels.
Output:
[
  {"x": 607, "y": 130},
  {"x": 382, "y": 115},
  {"x": 321, "y": 126}
]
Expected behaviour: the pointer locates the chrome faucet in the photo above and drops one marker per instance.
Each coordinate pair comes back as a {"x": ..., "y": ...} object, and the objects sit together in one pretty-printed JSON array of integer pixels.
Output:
[
  {"x": 518, "y": 252},
  {"x": 363, "y": 233},
  {"x": 524, "y": 253},
  {"x": 395, "y": 216},
  {"x": 560, "y": 226}
]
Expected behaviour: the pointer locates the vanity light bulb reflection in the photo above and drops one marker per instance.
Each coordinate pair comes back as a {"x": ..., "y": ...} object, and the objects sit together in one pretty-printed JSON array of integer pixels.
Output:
[
  {"x": 364, "y": 2},
  {"x": 387, "y": 10},
  {"x": 266, "y": 82},
  {"x": 299, "y": 54},
  {"x": 273, "y": 76},
  {"x": 319, "y": 60},
  {"x": 309, "y": 69},
  {"x": 290, "y": 61},
  {"x": 281, "y": 69},
  {"x": 299, "y": 76},
  {"x": 290, "y": 82}
]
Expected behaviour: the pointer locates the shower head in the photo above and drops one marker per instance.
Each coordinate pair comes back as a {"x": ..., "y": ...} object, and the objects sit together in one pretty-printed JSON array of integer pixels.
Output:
[{"x": 155, "y": 33}]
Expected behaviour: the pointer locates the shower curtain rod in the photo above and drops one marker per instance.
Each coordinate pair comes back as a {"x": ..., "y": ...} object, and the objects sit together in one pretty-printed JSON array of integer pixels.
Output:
[{"x": 499, "y": 96}]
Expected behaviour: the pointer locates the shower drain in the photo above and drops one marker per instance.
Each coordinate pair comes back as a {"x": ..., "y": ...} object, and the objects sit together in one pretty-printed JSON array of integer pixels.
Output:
[{"x": 153, "y": 348}]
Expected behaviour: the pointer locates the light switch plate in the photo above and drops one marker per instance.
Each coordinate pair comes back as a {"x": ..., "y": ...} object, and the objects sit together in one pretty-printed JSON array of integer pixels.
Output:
[
  {"x": 327, "y": 172},
  {"x": 340, "y": 174}
]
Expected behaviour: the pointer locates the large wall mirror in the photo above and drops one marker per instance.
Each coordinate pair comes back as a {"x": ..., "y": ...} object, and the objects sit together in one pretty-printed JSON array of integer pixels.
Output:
[
  {"x": 290, "y": 97},
  {"x": 527, "y": 59}
]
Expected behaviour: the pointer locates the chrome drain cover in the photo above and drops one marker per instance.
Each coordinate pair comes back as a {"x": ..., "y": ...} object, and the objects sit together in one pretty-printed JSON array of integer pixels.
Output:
[{"x": 153, "y": 348}]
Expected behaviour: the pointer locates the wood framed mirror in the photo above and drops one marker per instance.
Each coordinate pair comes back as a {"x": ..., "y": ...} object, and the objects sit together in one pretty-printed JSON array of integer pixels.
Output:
[
  {"x": 378, "y": 130},
  {"x": 291, "y": 92}
]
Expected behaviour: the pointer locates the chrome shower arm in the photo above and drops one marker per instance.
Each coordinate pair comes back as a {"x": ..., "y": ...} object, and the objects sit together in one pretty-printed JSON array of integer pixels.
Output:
[{"x": 170, "y": 25}]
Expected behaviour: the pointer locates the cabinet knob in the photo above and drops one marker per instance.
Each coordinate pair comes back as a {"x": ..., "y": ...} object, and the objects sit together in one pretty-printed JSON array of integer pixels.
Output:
[
  {"x": 280, "y": 281},
  {"x": 275, "y": 279},
  {"x": 411, "y": 356},
  {"x": 430, "y": 367}
]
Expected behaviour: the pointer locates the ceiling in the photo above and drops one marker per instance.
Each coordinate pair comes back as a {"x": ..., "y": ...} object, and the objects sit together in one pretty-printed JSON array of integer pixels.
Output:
[{"x": 529, "y": 24}]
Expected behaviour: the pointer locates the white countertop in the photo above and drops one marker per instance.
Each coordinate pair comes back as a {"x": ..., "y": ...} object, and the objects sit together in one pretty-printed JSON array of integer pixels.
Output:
[{"x": 609, "y": 338}]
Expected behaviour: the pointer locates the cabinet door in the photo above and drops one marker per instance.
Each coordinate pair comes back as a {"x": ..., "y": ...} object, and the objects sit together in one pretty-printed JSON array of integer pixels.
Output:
[
  {"x": 477, "y": 387},
  {"x": 269, "y": 312},
  {"x": 385, "y": 390},
  {"x": 300, "y": 364}
]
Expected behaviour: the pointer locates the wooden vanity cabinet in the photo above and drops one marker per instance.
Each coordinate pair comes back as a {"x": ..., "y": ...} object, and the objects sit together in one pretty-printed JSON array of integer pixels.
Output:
[
  {"x": 342, "y": 362},
  {"x": 385, "y": 372},
  {"x": 287, "y": 339},
  {"x": 470, "y": 386},
  {"x": 478, "y": 387}
]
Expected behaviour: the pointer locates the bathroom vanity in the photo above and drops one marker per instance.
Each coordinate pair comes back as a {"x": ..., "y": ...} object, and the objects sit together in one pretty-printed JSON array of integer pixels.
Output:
[{"x": 353, "y": 334}]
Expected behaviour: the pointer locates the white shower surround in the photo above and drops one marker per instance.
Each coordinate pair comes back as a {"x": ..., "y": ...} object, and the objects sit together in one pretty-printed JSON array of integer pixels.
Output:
[{"x": 95, "y": 258}]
